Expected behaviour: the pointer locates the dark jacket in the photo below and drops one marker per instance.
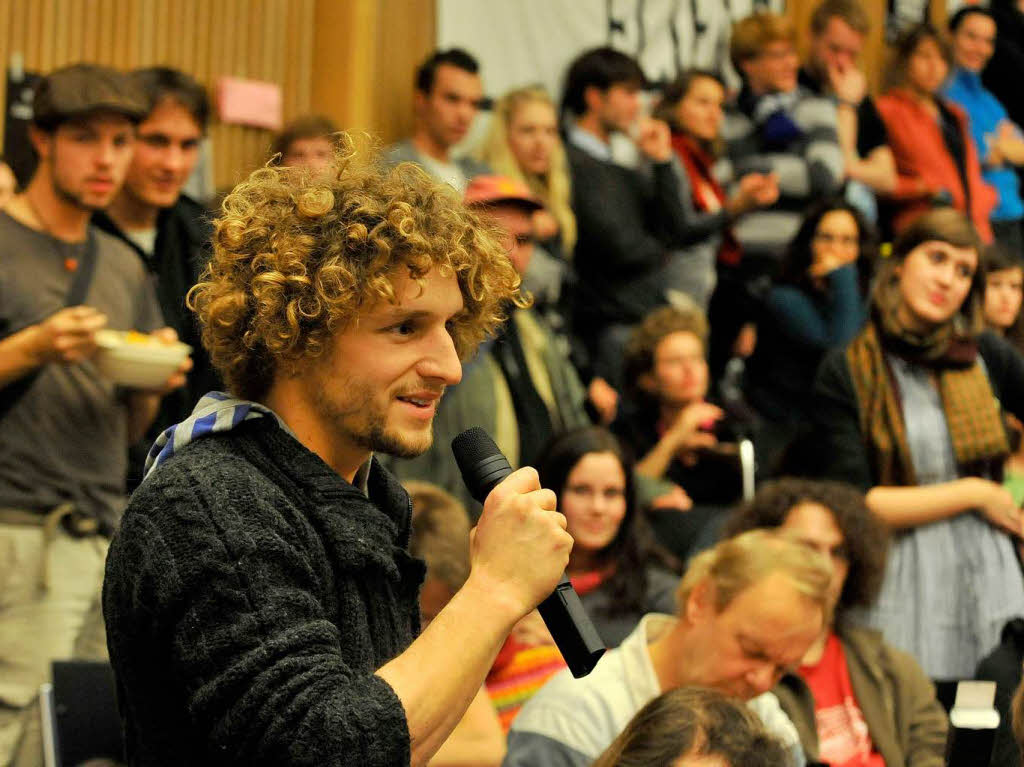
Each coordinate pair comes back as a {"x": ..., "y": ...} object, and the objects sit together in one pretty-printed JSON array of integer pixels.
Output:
[
  {"x": 250, "y": 595},
  {"x": 180, "y": 255},
  {"x": 627, "y": 223},
  {"x": 906, "y": 722},
  {"x": 1003, "y": 666},
  {"x": 842, "y": 447}
]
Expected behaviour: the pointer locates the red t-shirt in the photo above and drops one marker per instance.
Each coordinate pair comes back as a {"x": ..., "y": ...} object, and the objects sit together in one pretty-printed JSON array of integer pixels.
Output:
[{"x": 843, "y": 737}]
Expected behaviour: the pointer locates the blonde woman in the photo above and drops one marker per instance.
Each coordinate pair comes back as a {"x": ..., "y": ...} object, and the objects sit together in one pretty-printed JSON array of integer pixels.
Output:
[{"x": 523, "y": 143}]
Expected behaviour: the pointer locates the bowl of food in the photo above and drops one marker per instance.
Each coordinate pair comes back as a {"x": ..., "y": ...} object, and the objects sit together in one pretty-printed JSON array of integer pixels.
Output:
[{"x": 137, "y": 360}]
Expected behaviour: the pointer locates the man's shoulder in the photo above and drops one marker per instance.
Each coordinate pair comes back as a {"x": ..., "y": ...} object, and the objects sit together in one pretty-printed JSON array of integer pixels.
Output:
[
  {"x": 583, "y": 714},
  {"x": 194, "y": 218},
  {"x": 401, "y": 151}
]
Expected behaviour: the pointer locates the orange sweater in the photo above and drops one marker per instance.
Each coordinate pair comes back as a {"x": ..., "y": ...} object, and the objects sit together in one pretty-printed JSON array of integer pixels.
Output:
[{"x": 924, "y": 165}]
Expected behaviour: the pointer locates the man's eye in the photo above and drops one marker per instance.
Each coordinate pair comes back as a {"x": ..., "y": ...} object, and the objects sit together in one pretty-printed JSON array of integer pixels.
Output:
[{"x": 404, "y": 328}]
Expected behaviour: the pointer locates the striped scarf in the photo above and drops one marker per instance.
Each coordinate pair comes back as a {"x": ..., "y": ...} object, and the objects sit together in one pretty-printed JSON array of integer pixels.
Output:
[
  {"x": 216, "y": 412},
  {"x": 971, "y": 408}
]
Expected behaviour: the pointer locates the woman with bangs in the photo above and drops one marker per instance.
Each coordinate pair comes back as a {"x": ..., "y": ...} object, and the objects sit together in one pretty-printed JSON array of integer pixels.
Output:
[{"x": 911, "y": 411}]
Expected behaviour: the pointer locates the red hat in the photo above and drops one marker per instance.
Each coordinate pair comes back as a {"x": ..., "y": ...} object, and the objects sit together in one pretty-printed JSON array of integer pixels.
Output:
[{"x": 490, "y": 190}]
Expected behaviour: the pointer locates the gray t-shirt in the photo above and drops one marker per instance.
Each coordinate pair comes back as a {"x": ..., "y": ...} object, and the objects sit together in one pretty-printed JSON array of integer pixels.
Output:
[{"x": 65, "y": 440}]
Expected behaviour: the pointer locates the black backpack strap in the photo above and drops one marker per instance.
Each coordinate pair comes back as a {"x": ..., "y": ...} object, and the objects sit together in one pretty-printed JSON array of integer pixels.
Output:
[{"x": 12, "y": 393}]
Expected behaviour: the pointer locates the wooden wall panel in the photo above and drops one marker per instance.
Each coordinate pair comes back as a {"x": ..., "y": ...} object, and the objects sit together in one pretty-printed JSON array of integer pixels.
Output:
[{"x": 269, "y": 40}]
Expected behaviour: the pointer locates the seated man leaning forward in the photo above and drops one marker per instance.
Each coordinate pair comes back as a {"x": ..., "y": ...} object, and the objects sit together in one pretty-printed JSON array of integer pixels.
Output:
[
  {"x": 748, "y": 609},
  {"x": 260, "y": 601}
]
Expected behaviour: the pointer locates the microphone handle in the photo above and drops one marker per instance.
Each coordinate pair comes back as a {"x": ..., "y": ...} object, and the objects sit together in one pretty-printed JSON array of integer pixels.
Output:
[{"x": 567, "y": 620}]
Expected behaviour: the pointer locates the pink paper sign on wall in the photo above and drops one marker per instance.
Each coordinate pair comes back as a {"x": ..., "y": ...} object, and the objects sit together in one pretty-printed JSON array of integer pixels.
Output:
[{"x": 249, "y": 102}]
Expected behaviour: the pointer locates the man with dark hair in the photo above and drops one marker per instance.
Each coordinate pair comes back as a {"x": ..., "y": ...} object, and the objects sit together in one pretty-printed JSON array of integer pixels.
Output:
[
  {"x": 448, "y": 95},
  {"x": 628, "y": 219},
  {"x": 65, "y": 426},
  {"x": 260, "y": 600},
  {"x": 838, "y": 29},
  {"x": 168, "y": 230}
]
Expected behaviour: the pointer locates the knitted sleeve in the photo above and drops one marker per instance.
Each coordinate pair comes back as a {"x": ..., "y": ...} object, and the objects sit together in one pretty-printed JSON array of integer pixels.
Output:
[{"x": 224, "y": 616}]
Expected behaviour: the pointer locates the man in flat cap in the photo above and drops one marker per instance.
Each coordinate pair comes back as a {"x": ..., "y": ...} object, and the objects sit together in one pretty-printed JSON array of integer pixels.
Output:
[{"x": 64, "y": 428}]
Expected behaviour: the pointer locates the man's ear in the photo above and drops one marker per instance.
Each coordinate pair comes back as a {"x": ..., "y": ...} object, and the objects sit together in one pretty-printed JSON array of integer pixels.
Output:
[
  {"x": 700, "y": 604},
  {"x": 419, "y": 101},
  {"x": 593, "y": 98},
  {"x": 41, "y": 140},
  {"x": 647, "y": 384}
]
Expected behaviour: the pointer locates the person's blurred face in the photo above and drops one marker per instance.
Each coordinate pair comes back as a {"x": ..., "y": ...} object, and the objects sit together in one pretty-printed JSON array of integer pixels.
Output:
[
  {"x": 594, "y": 501},
  {"x": 774, "y": 69},
  {"x": 166, "y": 153},
  {"x": 87, "y": 159},
  {"x": 1003, "y": 293},
  {"x": 974, "y": 41},
  {"x": 837, "y": 47},
  {"x": 934, "y": 280},
  {"x": 745, "y": 649},
  {"x": 837, "y": 236},
  {"x": 313, "y": 152},
  {"x": 680, "y": 373},
  {"x": 926, "y": 68},
  {"x": 617, "y": 108},
  {"x": 699, "y": 112},
  {"x": 533, "y": 136},
  {"x": 815, "y": 525},
  {"x": 518, "y": 227},
  {"x": 447, "y": 112}
]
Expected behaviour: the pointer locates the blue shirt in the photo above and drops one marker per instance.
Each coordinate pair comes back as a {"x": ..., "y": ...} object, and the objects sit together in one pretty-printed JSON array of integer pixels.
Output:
[{"x": 965, "y": 88}]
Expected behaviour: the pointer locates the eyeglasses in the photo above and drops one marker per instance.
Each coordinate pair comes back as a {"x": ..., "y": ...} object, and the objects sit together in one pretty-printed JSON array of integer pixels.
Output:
[{"x": 840, "y": 240}]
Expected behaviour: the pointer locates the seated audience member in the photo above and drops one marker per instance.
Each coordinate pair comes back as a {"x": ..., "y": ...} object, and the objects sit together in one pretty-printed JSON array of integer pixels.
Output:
[
  {"x": 997, "y": 141},
  {"x": 523, "y": 143},
  {"x": 1002, "y": 75},
  {"x": 747, "y": 610},
  {"x": 665, "y": 419},
  {"x": 1004, "y": 289},
  {"x": 909, "y": 411},
  {"x": 1003, "y": 666},
  {"x": 936, "y": 161},
  {"x": 692, "y": 107},
  {"x": 521, "y": 388},
  {"x": 838, "y": 29},
  {"x": 818, "y": 302},
  {"x": 440, "y": 537},
  {"x": 618, "y": 571},
  {"x": 627, "y": 220},
  {"x": 694, "y": 727},
  {"x": 65, "y": 425},
  {"x": 777, "y": 126},
  {"x": 307, "y": 142},
  {"x": 168, "y": 230},
  {"x": 447, "y": 96},
  {"x": 855, "y": 700}
]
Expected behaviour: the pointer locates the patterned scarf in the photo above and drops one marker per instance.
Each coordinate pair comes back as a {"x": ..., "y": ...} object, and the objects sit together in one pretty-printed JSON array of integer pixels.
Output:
[
  {"x": 971, "y": 409},
  {"x": 214, "y": 413},
  {"x": 707, "y": 194}
]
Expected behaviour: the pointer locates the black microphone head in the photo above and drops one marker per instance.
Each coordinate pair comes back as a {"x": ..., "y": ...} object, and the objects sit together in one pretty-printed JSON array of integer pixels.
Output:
[{"x": 480, "y": 461}]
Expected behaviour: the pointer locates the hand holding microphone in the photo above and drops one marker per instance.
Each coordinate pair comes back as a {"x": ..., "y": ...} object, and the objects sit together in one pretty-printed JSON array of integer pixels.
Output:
[{"x": 521, "y": 547}]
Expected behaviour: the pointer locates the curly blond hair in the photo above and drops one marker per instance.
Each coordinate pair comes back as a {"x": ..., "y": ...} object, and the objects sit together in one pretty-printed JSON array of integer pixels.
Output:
[{"x": 298, "y": 255}]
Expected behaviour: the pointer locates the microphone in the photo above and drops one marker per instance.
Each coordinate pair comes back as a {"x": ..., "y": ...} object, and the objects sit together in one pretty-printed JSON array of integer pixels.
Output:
[{"x": 483, "y": 466}]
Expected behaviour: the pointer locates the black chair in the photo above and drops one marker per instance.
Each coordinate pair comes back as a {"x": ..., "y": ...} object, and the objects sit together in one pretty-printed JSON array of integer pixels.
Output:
[{"x": 80, "y": 716}]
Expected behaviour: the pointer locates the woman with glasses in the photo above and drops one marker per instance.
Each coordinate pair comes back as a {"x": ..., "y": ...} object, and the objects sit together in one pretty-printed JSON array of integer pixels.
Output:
[{"x": 816, "y": 304}]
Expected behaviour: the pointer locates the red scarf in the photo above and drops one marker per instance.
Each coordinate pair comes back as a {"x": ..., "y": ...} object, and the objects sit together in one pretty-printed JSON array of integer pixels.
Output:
[{"x": 707, "y": 193}]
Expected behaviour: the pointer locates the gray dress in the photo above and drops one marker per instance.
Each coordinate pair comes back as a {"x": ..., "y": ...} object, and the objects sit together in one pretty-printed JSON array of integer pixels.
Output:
[{"x": 949, "y": 585}]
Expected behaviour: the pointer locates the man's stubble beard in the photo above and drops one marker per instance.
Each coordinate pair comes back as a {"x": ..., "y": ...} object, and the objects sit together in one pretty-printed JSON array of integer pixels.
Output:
[{"x": 372, "y": 432}]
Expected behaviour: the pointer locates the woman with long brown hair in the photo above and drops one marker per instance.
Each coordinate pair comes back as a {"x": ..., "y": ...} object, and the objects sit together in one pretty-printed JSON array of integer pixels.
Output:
[{"x": 911, "y": 411}]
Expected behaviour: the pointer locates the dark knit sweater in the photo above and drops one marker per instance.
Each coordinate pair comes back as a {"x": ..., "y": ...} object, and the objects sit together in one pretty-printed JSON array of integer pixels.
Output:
[{"x": 250, "y": 595}]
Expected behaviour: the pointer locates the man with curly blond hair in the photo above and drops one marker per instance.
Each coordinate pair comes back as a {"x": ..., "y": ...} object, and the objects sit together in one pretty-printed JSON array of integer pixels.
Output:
[{"x": 260, "y": 601}]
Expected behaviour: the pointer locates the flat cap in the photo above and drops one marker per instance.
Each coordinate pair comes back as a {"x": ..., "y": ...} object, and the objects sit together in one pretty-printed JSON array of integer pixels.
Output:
[{"x": 84, "y": 89}]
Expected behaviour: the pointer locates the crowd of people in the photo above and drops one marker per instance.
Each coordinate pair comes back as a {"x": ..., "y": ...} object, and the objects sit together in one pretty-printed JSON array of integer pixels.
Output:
[{"x": 633, "y": 288}]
